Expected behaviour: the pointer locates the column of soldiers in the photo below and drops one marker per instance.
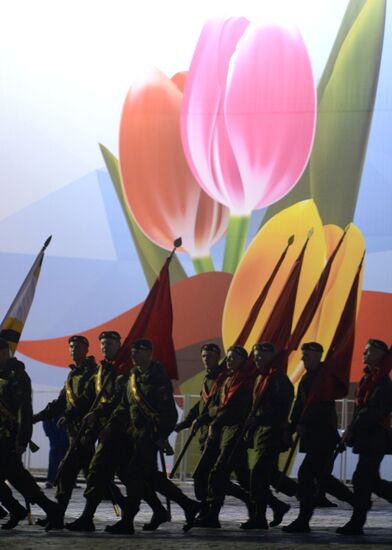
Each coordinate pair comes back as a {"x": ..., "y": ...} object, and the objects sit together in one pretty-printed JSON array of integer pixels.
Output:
[{"x": 119, "y": 425}]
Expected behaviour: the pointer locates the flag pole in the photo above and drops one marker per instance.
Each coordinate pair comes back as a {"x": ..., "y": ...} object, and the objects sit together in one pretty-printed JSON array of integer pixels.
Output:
[{"x": 79, "y": 435}]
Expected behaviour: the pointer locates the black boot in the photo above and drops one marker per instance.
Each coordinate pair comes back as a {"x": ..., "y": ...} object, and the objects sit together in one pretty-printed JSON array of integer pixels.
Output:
[
  {"x": 355, "y": 525},
  {"x": 211, "y": 519},
  {"x": 54, "y": 511},
  {"x": 85, "y": 522},
  {"x": 124, "y": 526},
  {"x": 81, "y": 524},
  {"x": 3, "y": 512},
  {"x": 301, "y": 524},
  {"x": 159, "y": 516},
  {"x": 279, "y": 509},
  {"x": 257, "y": 520},
  {"x": 17, "y": 513}
]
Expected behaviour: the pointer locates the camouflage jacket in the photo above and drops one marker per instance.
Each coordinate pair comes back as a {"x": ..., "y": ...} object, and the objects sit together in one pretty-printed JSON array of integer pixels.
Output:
[{"x": 16, "y": 413}]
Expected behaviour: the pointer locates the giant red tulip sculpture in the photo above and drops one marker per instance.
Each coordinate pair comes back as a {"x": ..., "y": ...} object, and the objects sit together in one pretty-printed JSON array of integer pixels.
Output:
[{"x": 248, "y": 118}]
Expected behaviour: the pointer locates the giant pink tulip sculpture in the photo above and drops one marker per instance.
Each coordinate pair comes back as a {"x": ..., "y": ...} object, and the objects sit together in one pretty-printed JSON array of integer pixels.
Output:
[
  {"x": 248, "y": 118},
  {"x": 162, "y": 193}
]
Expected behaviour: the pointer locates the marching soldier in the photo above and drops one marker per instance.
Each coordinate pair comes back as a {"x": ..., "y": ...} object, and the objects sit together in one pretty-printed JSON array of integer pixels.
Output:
[
  {"x": 66, "y": 405},
  {"x": 104, "y": 389},
  {"x": 210, "y": 356},
  {"x": 149, "y": 409},
  {"x": 15, "y": 433},
  {"x": 200, "y": 416},
  {"x": 273, "y": 395},
  {"x": 114, "y": 449},
  {"x": 231, "y": 409},
  {"x": 316, "y": 425},
  {"x": 369, "y": 434}
]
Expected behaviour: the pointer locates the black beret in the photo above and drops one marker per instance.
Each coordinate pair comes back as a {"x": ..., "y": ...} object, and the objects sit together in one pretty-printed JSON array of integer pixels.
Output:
[
  {"x": 239, "y": 350},
  {"x": 78, "y": 338},
  {"x": 312, "y": 346},
  {"x": 211, "y": 347},
  {"x": 142, "y": 343},
  {"x": 109, "y": 334},
  {"x": 4, "y": 344},
  {"x": 379, "y": 344},
  {"x": 264, "y": 346}
]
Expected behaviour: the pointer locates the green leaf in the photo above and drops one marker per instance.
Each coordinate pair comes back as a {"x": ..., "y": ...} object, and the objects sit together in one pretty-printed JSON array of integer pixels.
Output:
[
  {"x": 346, "y": 95},
  {"x": 345, "y": 110},
  {"x": 151, "y": 256}
]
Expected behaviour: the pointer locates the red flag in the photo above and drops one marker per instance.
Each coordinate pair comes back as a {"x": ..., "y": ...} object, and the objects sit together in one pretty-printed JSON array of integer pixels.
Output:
[
  {"x": 277, "y": 330},
  {"x": 334, "y": 379},
  {"x": 254, "y": 312},
  {"x": 155, "y": 321},
  {"x": 278, "y": 327},
  {"x": 313, "y": 302}
]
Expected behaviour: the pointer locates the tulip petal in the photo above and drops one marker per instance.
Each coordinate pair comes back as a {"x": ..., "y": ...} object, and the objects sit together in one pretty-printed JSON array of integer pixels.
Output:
[
  {"x": 202, "y": 126},
  {"x": 346, "y": 93},
  {"x": 270, "y": 122},
  {"x": 259, "y": 261},
  {"x": 162, "y": 194}
]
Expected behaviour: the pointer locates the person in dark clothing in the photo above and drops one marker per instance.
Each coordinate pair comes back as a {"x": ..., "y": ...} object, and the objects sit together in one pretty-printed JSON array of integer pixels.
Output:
[
  {"x": 273, "y": 394},
  {"x": 200, "y": 416},
  {"x": 232, "y": 406},
  {"x": 15, "y": 432},
  {"x": 149, "y": 411},
  {"x": 370, "y": 433},
  {"x": 66, "y": 406},
  {"x": 58, "y": 445},
  {"x": 316, "y": 424}
]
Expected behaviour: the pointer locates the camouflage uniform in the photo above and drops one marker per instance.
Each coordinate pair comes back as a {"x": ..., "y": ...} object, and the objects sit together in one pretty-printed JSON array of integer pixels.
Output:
[
  {"x": 318, "y": 441},
  {"x": 67, "y": 405},
  {"x": 271, "y": 411},
  {"x": 371, "y": 440},
  {"x": 217, "y": 463},
  {"x": 15, "y": 397},
  {"x": 148, "y": 409}
]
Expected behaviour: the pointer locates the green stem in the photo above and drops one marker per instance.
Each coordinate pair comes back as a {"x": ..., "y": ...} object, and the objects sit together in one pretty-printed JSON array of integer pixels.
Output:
[
  {"x": 203, "y": 264},
  {"x": 237, "y": 233}
]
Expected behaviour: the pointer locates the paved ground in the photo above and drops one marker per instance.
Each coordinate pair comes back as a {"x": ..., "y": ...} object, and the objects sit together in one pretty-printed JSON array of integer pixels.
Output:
[{"x": 170, "y": 535}]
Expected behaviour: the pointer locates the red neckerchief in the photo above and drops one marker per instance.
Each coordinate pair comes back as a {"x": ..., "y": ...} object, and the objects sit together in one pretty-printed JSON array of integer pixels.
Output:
[
  {"x": 206, "y": 393},
  {"x": 368, "y": 383},
  {"x": 243, "y": 378}
]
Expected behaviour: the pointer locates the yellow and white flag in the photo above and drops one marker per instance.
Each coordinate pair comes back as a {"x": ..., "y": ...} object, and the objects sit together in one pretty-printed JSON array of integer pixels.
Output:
[{"x": 15, "y": 318}]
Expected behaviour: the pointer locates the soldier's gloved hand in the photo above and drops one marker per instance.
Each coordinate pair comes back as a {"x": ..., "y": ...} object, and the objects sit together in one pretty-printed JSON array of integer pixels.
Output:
[
  {"x": 180, "y": 426},
  {"x": 348, "y": 439},
  {"x": 168, "y": 450},
  {"x": 213, "y": 411},
  {"x": 212, "y": 433},
  {"x": 196, "y": 424},
  {"x": 36, "y": 418},
  {"x": 160, "y": 443},
  {"x": 20, "y": 449},
  {"x": 61, "y": 423},
  {"x": 90, "y": 419}
]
